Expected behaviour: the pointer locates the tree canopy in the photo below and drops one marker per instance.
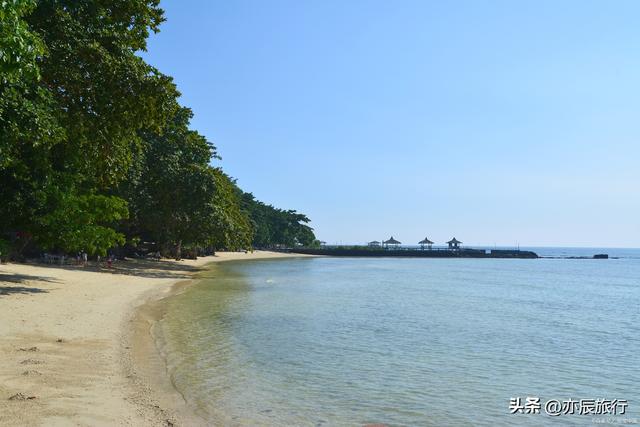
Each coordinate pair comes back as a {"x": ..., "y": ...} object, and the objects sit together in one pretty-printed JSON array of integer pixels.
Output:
[
  {"x": 276, "y": 227},
  {"x": 19, "y": 46},
  {"x": 95, "y": 149}
]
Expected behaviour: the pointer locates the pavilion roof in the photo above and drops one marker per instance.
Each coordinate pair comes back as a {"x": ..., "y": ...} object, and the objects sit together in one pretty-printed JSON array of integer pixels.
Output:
[
  {"x": 454, "y": 240},
  {"x": 391, "y": 241},
  {"x": 426, "y": 241},
  {"x": 375, "y": 242}
]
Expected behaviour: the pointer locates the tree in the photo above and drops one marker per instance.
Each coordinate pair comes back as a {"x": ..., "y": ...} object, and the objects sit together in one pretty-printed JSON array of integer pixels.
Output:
[
  {"x": 105, "y": 94},
  {"x": 73, "y": 99},
  {"x": 177, "y": 197},
  {"x": 229, "y": 227},
  {"x": 83, "y": 223},
  {"x": 274, "y": 226},
  {"x": 28, "y": 128},
  {"x": 19, "y": 47},
  {"x": 94, "y": 146}
]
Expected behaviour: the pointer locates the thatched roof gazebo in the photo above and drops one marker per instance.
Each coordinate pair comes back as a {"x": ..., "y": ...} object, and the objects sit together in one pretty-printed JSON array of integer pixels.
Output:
[
  {"x": 393, "y": 242},
  {"x": 426, "y": 242},
  {"x": 454, "y": 243}
]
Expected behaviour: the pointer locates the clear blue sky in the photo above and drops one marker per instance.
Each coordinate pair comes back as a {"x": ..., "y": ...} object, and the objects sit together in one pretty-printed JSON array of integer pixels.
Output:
[{"x": 493, "y": 121}]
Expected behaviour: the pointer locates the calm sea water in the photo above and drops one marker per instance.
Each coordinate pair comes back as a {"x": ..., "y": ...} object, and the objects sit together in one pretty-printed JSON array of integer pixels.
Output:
[{"x": 328, "y": 341}]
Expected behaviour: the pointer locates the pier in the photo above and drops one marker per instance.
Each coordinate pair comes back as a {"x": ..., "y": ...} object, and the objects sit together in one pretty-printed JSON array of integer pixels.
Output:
[
  {"x": 392, "y": 248},
  {"x": 368, "y": 251}
]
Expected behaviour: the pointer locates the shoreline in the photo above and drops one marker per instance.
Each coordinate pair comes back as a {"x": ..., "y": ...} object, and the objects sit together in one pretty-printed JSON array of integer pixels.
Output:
[
  {"x": 77, "y": 346},
  {"x": 146, "y": 359}
]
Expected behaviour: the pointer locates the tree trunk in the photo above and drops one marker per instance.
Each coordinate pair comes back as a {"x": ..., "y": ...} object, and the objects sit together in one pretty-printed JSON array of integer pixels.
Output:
[{"x": 179, "y": 250}]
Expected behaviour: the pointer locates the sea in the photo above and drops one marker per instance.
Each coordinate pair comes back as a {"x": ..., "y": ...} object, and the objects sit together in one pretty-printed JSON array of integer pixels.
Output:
[{"x": 410, "y": 341}]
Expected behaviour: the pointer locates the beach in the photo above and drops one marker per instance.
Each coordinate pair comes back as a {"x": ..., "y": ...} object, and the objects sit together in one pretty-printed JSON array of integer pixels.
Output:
[
  {"x": 75, "y": 342},
  {"x": 315, "y": 341}
]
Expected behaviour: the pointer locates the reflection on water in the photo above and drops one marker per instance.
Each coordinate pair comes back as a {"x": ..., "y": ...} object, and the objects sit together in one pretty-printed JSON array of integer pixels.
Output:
[{"x": 403, "y": 341}]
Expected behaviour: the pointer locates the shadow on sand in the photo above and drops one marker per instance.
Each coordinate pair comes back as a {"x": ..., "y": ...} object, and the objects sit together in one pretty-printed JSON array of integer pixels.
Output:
[
  {"x": 138, "y": 267},
  {"x": 20, "y": 279},
  {"x": 9, "y": 290},
  {"x": 153, "y": 269}
]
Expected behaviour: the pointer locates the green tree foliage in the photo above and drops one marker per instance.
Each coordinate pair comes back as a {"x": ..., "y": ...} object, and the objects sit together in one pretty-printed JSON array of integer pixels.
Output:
[
  {"x": 229, "y": 227},
  {"x": 94, "y": 146},
  {"x": 273, "y": 226},
  {"x": 19, "y": 47},
  {"x": 177, "y": 197},
  {"x": 73, "y": 130},
  {"x": 83, "y": 223},
  {"x": 25, "y": 112},
  {"x": 104, "y": 93},
  {"x": 28, "y": 127}
]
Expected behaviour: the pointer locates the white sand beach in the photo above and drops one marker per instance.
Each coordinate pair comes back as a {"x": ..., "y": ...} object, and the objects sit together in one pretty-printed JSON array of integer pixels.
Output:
[{"x": 70, "y": 343}]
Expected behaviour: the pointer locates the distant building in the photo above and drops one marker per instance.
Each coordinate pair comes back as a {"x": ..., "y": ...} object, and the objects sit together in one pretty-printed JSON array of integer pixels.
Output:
[
  {"x": 391, "y": 242},
  {"x": 374, "y": 244},
  {"x": 454, "y": 244},
  {"x": 426, "y": 242}
]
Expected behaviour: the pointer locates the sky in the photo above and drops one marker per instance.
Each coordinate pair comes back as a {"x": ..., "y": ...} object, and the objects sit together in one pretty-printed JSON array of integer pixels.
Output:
[{"x": 497, "y": 122}]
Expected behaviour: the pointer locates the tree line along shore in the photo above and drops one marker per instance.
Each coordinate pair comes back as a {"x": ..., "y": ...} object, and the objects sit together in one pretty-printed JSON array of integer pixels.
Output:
[{"x": 97, "y": 153}]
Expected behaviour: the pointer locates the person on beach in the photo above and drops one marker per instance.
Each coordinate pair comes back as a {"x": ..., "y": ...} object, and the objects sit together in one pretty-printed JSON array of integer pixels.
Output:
[{"x": 85, "y": 260}]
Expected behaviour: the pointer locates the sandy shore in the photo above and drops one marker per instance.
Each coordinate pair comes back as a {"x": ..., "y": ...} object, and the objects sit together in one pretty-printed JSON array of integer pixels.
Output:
[{"x": 76, "y": 350}]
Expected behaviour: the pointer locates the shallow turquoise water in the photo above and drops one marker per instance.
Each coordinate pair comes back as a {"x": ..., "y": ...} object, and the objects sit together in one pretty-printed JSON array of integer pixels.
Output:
[{"x": 328, "y": 341}]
